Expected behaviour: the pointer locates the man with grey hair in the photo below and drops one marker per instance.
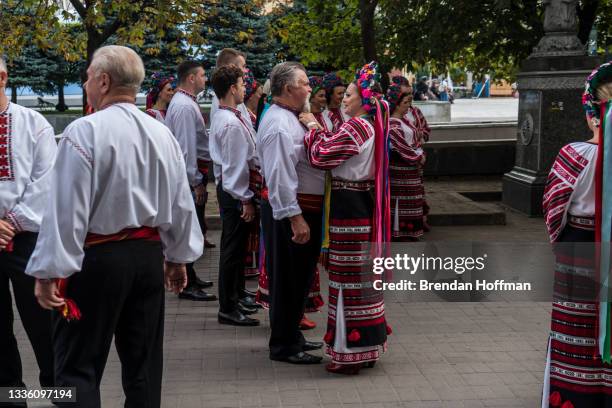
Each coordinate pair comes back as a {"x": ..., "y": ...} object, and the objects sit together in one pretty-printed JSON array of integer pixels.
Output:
[
  {"x": 27, "y": 152},
  {"x": 290, "y": 212},
  {"x": 119, "y": 223}
]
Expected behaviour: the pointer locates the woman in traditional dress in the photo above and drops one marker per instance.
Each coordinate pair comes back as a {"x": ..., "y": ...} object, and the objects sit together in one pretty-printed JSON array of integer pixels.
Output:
[
  {"x": 356, "y": 155},
  {"x": 578, "y": 212},
  {"x": 253, "y": 93},
  {"x": 421, "y": 129},
  {"x": 405, "y": 163},
  {"x": 159, "y": 96},
  {"x": 334, "y": 92}
]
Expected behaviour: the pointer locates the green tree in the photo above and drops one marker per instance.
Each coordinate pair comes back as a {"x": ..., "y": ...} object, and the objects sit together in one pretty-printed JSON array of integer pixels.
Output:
[
  {"x": 162, "y": 54},
  {"x": 240, "y": 24},
  {"x": 30, "y": 70}
]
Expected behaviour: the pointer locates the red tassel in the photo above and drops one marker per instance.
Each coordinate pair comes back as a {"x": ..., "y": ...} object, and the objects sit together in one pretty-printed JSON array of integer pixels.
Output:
[
  {"x": 70, "y": 311},
  {"x": 389, "y": 330},
  {"x": 567, "y": 404},
  {"x": 555, "y": 399},
  {"x": 328, "y": 337},
  {"x": 354, "y": 335}
]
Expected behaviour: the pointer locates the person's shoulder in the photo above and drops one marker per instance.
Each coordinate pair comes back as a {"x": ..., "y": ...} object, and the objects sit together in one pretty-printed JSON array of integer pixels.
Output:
[{"x": 30, "y": 115}]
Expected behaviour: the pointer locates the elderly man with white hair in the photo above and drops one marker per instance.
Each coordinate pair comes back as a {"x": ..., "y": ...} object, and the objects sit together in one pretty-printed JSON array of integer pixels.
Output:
[
  {"x": 120, "y": 222},
  {"x": 27, "y": 151},
  {"x": 290, "y": 212}
]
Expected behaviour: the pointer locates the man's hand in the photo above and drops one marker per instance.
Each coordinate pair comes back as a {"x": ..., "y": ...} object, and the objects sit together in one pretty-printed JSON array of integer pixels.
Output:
[
  {"x": 47, "y": 293},
  {"x": 7, "y": 232},
  {"x": 200, "y": 193},
  {"x": 175, "y": 276},
  {"x": 248, "y": 212},
  {"x": 423, "y": 159},
  {"x": 300, "y": 229}
]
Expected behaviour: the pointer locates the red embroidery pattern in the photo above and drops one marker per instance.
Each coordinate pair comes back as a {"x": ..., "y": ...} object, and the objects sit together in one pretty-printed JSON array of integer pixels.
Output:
[{"x": 6, "y": 158}]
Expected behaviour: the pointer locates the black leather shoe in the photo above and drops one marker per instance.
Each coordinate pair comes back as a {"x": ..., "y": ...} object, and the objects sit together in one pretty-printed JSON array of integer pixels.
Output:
[
  {"x": 312, "y": 345},
  {"x": 192, "y": 293},
  {"x": 246, "y": 310},
  {"x": 202, "y": 284},
  {"x": 246, "y": 292},
  {"x": 299, "y": 358},
  {"x": 249, "y": 301},
  {"x": 236, "y": 318}
]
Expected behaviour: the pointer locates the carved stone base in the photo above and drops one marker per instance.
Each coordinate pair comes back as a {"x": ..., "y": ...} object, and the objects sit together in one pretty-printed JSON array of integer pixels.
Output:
[
  {"x": 555, "y": 44},
  {"x": 523, "y": 190},
  {"x": 550, "y": 116}
]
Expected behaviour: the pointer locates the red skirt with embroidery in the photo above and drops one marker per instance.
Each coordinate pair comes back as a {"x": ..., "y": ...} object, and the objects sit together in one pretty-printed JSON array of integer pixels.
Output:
[
  {"x": 350, "y": 268},
  {"x": 578, "y": 377},
  {"x": 407, "y": 199}
]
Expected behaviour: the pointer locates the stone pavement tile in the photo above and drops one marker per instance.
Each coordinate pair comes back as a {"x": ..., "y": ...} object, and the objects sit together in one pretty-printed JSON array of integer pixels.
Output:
[
  {"x": 502, "y": 402},
  {"x": 408, "y": 381},
  {"x": 423, "y": 404},
  {"x": 482, "y": 379},
  {"x": 491, "y": 391},
  {"x": 296, "y": 397},
  {"x": 427, "y": 393},
  {"x": 379, "y": 394}
]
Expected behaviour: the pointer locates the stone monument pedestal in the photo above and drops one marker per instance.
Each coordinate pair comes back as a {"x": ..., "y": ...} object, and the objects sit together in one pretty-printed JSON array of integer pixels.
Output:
[{"x": 550, "y": 116}]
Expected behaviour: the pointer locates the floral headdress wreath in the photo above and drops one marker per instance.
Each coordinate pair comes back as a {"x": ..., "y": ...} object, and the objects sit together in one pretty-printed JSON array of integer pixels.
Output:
[
  {"x": 250, "y": 84},
  {"x": 366, "y": 79},
  {"x": 316, "y": 83},
  {"x": 330, "y": 81},
  {"x": 158, "y": 81},
  {"x": 394, "y": 92},
  {"x": 400, "y": 80},
  {"x": 589, "y": 99}
]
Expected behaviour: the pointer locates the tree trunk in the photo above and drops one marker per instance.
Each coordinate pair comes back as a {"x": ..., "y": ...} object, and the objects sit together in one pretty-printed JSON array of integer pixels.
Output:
[
  {"x": 368, "y": 32},
  {"x": 61, "y": 101},
  {"x": 13, "y": 94},
  {"x": 586, "y": 17}
]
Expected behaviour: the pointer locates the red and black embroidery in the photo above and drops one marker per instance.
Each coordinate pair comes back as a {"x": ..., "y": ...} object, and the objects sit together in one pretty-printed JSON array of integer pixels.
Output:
[{"x": 6, "y": 155}]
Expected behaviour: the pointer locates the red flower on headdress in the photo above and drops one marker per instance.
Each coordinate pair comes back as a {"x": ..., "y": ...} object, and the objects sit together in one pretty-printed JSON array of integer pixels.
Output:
[
  {"x": 354, "y": 335},
  {"x": 567, "y": 404}
]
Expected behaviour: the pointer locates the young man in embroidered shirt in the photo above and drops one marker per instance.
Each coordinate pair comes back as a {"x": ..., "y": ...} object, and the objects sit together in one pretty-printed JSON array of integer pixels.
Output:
[
  {"x": 232, "y": 148},
  {"x": 27, "y": 152},
  {"x": 184, "y": 118},
  {"x": 119, "y": 221}
]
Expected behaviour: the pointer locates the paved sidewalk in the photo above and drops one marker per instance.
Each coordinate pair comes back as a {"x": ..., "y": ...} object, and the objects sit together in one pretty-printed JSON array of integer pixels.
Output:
[{"x": 440, "y": 355}]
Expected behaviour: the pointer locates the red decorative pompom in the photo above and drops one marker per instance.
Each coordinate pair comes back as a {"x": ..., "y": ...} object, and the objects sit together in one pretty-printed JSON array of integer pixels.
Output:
[
  {"x": 555, "y": 399},
  {"x": 389, "y": 330},
  {"x": 410, "y": 226},
  {"x": 354, "y": 335},
  {"x": 9, "y": 247},
  {"x": 328, "y": 337},
  {"x": 318, "y": 302},
  {"x": 567, "y": 404}
]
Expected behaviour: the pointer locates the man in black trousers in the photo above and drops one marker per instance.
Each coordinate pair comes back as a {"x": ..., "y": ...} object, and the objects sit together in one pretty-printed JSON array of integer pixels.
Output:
[
  {"x": 27, "y": 152},
  {"x": 232, "y": 149},
  {"x": 291, "y": 227}
]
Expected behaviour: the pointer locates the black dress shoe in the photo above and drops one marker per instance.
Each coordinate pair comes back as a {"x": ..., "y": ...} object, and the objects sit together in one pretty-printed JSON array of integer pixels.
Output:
[
  {"x": 246, "y": 310},
  {"x": 202, "y": 284},
  {"x": 312, "y": 345},
  {"x": 246, "y": 292},
  {"x": 249, "y": 301},
  {"x": 236, "y": 318},
  {"x": 193, "y": 293},
  {"x": 299, "y": 358}
]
